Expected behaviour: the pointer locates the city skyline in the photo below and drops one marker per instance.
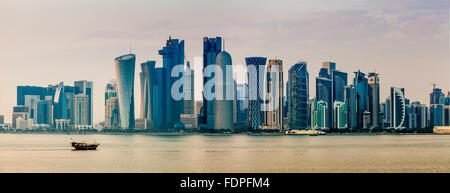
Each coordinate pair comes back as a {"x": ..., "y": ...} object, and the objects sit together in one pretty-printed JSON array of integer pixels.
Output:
[{"x": 417, "y": 66}]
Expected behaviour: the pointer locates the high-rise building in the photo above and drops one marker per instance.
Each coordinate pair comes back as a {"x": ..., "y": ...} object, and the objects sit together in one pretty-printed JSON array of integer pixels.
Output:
[
  {"x": 273, "y": 118},
  {"x": 319, "y": 114},
  {"x": 158, "y": 103},
  {"x": 125, "y": 71},
  {"x": 189, "y": 90},
  {"x": 436, "y": 115},
  {"x": 436, "y": 96},
  {"x": 112, "y": 114},
  {"x": 340, "y": 114},
  {"x": 224, "y": 92},
  {"x": 298, "y": 96},
  {"x": 147, "y": 77},
  {"x": 81, "y": 110},
  {"x": 172, "y": 54},
  {"x": 361, "y": 83},
  {"x": 255, "y": 68},
  {"x": 398, "y": 107},
  {"x": 189, "y": 118},
  {"x": 2, "y": 119},
  {"x": 211, "y": 47},
  {"x": 86, "y": 88},
  {"x": 324, "y": 93},
  {"x": 374, "y": 99},
  {"x": 330, "y": 87},
  {"x": 242, "y": 102},
  {"x": 352, "y": 106}
]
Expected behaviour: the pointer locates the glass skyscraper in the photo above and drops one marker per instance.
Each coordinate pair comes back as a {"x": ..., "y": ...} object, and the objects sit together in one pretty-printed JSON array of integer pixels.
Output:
[
  {"x": 255, "y": 99},
  {"x": 211, "y": 47},
  {"x": 147, "y": 92},
  {"x": 298, "y": 95},
  {"x": 223, "y": 104},
  {"x": 374, "y": 99},
  {"x": 125, "y": 71},
  {"x": 173, "y": 55},
  {"x": 361, "y": 83}
]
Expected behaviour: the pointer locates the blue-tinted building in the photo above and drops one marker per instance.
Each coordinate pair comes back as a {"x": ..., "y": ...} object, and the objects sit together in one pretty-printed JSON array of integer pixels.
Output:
[
  {"x": 86, "y": 87},
  {"x": 256, "y": 70},
  {"x": 361, "y": 83},
  {"x": 147, "y": 76},
  {"x": 211, "y": 47},
  {"x": 173, "y": 55},
  {"x": 125, "y": 71},
  {"x": 298, "y": 95},
  {"x": 324, "y": 94}
]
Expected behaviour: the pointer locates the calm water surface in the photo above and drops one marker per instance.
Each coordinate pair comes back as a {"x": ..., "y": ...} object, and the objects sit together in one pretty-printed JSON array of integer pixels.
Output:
[{"x": 237, "y": 153}]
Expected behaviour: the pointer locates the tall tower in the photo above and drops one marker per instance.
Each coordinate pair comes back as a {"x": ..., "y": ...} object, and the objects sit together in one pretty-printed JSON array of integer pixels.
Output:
[
  {"x": 223, "y": 104},
  {"x": 86, "y": 88},
  {"x": 147, "y": 92},
  {"x": 274, "y": 98},
  {"x": 255, "y": 68},
  {"x": 374, "y": 98},
  {"x": 173, "y": 54},
  {"x": 211, "y": 47},
  {"x": 398, "y": 108},
  {"x": 125, "y": 70},
  {"x": 361, "y": 83},
  {"x": 189, "y": 101},
  {"x": 298, "y": 95}
]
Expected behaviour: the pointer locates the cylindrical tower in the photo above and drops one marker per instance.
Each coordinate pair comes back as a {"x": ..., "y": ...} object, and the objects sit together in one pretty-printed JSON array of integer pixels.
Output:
[
  {"x": 223, "y": 103},
  {"x": 125, "y": 69}
]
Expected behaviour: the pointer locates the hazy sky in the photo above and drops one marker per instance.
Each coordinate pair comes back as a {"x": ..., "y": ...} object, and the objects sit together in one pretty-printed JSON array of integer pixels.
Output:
[{"x": 49, "y": 41}]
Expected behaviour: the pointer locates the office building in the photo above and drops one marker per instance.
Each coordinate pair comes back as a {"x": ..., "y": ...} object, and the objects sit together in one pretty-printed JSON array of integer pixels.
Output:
[
  {"x": 319, "y": 115},
  {"x": 298, "y": 96},
  {"x": 352, "y": 106},
  {"x": 224, "y": 92},
  {"x": 255, "y": 69},
  {"x": 340, "y": 114},
  {"x": 85, "y": 87},
  {"x": 273, "y": 118},
  {"x": 374, "y": 99},
  {"x": 172, "y": 55},
  {"x": 125, "y": 71},
  {"x": 211, "y": 47},
  {"x": 361, "y": 83},
  {"x": 147, "y": 77},
  {"x": 81, "y": 110},
  {"x": 112, "y": 113}
]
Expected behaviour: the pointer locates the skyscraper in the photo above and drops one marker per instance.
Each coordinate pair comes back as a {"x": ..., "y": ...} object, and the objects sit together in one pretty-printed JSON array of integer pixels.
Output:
[
  {"x": 255, "y": 68},
  {"x": 273, "y": 118},
  {"x": 374, "y": 99},
  {"x": 340, "y": 114},
  {"x": 436, "y": 96},
  {"x": 147, "y": 92},
  {"x": 87, "y": 88},
  {"x": 319, "y": 114},
  {"x": 398, "y": 107},
  {"x": 361, "y": 83},
  {"x": 125, "y": 70},
  {"x": 298, "y": 95},
  {"x": 173, "y": 55},
  {"x": 189, "y": 91},
  {"x": 324, "y": 94},
  {"x": 112, "y": 113},
  {"x": 211, "y": 47},
  {"x": 224, "y": 92},
  {"x": 352, "y": 106},
  {"x": 81, "y": 110},
  {"x": 330, "y": 87}
]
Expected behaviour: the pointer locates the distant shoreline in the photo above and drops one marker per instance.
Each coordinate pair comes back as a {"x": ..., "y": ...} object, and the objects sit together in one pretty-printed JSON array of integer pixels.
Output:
[{"x": 211, "y": 134}]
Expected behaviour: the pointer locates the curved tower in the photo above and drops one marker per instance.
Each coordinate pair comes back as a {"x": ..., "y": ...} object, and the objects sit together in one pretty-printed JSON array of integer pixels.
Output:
[
  {"x": 223, "y": 103},
  {"x": 398, "y": 108},
  {"x": 147, "y": 82},
  {"x": 125, "y": 68}
]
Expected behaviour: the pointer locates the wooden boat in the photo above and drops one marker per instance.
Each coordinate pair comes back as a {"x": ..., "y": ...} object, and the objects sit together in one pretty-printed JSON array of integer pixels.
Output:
[{"x": 85, "y": 146}]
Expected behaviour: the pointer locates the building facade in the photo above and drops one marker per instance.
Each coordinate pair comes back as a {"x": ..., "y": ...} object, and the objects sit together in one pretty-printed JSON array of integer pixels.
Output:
[
  {"x": 125, "y": 71},
  {"x": 256, "y": 69},
  {"x": 298, "y": 96}
]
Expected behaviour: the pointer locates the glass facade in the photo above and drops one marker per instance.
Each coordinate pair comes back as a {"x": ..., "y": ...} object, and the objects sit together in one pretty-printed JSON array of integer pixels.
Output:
[
  {"x": 125, "y": 71},
  {"x": 298, "y": 95},
  {"x": 255, "y": 114}
]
